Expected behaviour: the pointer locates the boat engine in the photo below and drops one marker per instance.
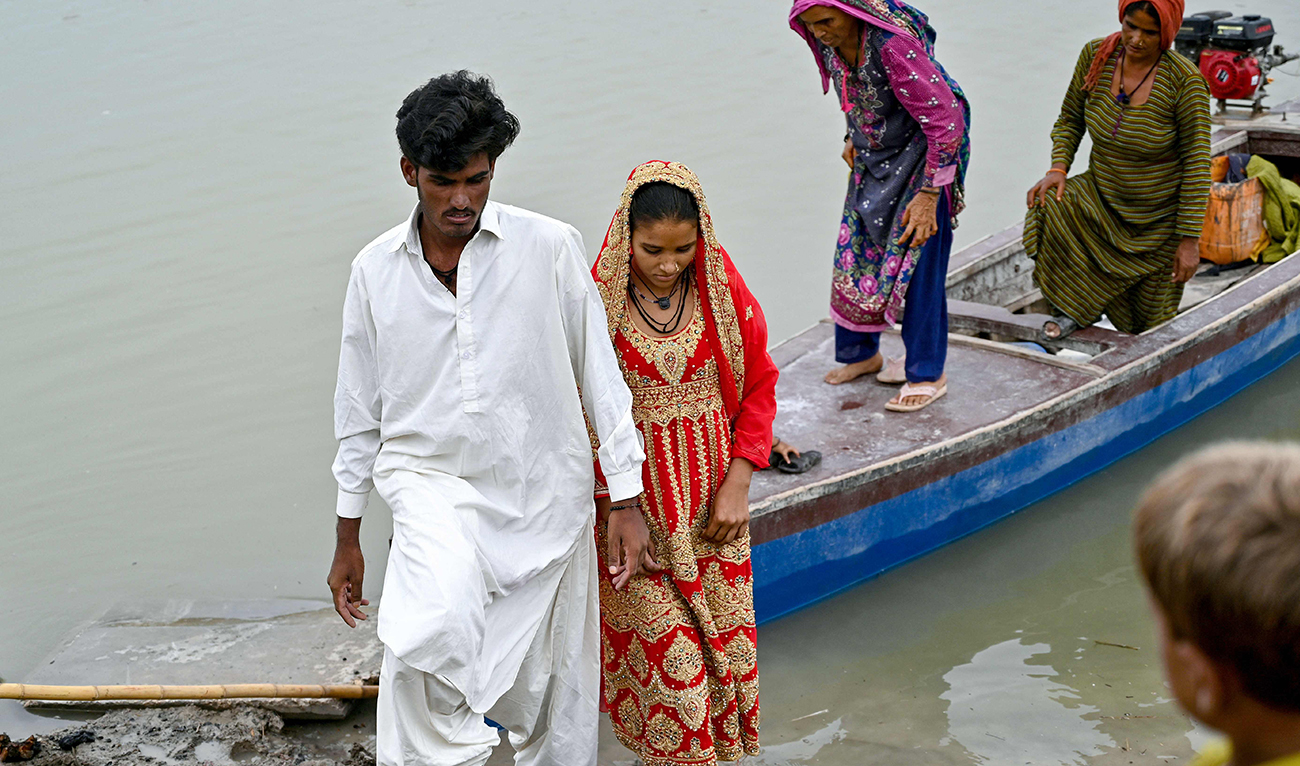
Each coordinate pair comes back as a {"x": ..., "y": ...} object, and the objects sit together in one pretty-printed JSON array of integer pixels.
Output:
[{"x": 1233, "y": 53}]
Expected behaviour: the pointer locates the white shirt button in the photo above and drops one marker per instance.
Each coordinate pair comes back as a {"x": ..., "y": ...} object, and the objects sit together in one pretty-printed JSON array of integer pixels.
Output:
[
  {"x": 464, "y": 313},
  {"x": 466, "y": 355}
]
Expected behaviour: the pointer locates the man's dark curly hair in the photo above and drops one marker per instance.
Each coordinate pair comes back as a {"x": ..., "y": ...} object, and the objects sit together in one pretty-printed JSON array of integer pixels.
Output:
[{"x": 449, "y": 119}]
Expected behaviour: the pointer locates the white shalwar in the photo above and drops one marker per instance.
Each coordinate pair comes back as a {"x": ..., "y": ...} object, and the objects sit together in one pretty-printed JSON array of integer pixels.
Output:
[{"x": 464, "y": 412}]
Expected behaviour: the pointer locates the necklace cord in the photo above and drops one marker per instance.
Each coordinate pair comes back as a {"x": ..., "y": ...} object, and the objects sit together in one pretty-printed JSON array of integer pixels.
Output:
[{"x": 668, "y": 326}]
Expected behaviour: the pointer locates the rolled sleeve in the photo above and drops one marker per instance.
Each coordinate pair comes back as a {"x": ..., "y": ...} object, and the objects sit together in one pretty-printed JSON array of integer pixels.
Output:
[
  {"x": 351, "y": 505},
  {"x": 624, "y": 485}
]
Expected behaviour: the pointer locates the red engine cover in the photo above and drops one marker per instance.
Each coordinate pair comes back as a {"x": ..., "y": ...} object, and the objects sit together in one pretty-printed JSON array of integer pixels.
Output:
[{"x": 1230, "y": 74}]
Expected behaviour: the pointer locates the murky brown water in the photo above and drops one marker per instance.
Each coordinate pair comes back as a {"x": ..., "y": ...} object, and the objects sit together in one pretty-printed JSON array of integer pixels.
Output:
[{"x": 183, "y": 187}]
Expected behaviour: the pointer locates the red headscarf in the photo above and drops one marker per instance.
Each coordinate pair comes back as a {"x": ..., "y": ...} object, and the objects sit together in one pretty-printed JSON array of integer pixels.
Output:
[
  {"x": 1171, "y": 18},
  {"x": 733, "y": 320}
]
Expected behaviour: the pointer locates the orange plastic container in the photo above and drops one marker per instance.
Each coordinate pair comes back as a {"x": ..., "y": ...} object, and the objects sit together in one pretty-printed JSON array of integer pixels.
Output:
[{"x": 1234, "y": 222}]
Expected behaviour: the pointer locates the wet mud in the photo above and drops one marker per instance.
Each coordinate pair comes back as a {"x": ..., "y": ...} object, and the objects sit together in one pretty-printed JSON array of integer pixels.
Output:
[{"x": 179, "y": 736}]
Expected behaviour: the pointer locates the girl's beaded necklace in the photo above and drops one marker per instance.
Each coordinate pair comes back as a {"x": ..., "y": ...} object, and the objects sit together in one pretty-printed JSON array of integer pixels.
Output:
[{"x": 668, "y": 326}]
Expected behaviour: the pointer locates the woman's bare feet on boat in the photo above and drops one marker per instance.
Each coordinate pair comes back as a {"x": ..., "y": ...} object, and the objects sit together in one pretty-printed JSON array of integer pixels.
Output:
[
  {"x": 856, "y": 370},
  {"x": 915, "y": 396},
  {"x": 1058, "y": 327}
]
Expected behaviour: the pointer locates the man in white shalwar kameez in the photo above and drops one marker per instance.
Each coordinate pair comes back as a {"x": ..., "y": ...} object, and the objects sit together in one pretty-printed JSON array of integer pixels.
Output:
[{"x": 468, "y": 332}]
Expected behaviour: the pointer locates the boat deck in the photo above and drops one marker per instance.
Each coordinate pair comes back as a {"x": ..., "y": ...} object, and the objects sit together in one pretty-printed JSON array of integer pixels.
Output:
[{"x": 849, "y": 425}]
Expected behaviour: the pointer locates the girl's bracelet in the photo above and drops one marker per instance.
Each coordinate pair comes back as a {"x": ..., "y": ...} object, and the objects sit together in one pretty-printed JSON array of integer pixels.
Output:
[{"x": 625, "y": 506}]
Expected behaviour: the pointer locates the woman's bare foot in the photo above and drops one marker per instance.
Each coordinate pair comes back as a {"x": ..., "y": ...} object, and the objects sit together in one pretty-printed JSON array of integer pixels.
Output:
[{"x": 856, "y": 370}]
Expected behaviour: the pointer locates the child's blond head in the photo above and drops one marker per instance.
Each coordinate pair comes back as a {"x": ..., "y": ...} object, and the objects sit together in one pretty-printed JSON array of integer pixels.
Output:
[{"x": 1218, "y": 540}]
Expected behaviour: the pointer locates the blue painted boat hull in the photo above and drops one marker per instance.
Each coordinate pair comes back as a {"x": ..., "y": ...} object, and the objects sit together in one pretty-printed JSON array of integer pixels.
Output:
[{"x": 798, "y": 569}]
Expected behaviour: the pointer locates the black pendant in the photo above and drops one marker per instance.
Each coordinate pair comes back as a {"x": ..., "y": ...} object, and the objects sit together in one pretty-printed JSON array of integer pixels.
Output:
[
  {"x": 1122, "y": 99},
  {"x": 664, "y": 303}
]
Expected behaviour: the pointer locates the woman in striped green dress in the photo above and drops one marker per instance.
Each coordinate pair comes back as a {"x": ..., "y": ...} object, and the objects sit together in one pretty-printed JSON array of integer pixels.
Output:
[{"x": 1121, "y": 237}]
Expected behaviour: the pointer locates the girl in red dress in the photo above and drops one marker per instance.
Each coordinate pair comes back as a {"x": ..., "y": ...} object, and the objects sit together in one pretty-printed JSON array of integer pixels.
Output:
[{"x": 678, "y": 646}]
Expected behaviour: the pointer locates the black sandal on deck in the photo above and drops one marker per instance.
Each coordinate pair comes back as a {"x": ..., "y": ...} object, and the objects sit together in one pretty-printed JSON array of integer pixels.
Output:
[{"x": 806, "y": 461}]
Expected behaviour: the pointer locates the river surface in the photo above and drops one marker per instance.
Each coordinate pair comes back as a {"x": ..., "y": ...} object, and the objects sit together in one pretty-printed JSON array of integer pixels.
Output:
[{"x": 184, "y": 185}]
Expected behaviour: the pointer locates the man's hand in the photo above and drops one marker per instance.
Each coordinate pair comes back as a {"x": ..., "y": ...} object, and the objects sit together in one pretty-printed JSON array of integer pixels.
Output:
[
  {"x": 920, "y": 218},
  {"x": 347, "y": 571},
  {"x": 1187, "y": 259},
  {"x": 630, "y": 550},
  {"x": 729, "y": 517}
]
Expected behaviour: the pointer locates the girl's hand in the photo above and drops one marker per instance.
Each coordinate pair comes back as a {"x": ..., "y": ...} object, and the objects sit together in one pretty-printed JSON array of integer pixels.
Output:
[
  {"x": 784, "y": 449},
  {"x": 1187, "y": 259},
  {"x": 729, "y": 517},
  {"x": 920, "y": 220},
  {"x": 630, "y": 550},
  {"x": 849, "y": 152},
  {"x": 1052, "y": 183}
]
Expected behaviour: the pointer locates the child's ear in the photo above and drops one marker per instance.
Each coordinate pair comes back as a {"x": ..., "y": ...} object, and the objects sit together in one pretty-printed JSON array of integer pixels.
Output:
[{"x": 1208, "y": 686}]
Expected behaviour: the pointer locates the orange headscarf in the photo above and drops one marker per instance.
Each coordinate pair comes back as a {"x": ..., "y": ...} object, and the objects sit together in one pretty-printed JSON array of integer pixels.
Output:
[{"x": 1171, "y": 18}]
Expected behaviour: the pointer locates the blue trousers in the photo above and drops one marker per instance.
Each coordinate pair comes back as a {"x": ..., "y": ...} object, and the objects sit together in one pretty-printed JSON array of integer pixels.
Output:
[{"x": 925, "y": 312}]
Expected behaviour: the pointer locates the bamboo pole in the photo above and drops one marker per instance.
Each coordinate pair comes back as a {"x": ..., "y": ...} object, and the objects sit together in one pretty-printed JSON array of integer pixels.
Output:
[{"x": 210, "y": 692}]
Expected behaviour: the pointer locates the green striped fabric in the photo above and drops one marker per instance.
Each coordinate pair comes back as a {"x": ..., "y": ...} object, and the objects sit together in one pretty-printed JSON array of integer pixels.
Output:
[{"x": 1109, "y": 245}]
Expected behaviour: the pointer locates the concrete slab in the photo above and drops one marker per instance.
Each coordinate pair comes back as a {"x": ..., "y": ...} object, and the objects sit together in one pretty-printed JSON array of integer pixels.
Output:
[{"x": 217, "y": 642}]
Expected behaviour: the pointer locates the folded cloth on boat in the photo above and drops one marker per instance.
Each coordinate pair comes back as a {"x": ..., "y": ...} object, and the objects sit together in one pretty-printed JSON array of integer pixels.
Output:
[
  {"x": 1237, "y": 164},
  {"x": 1281, "y": 210}
]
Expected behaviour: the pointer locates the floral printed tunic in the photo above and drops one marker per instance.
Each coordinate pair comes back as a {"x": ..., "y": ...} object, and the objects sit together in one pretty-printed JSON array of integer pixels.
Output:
[{"x": 909, "y": 130}]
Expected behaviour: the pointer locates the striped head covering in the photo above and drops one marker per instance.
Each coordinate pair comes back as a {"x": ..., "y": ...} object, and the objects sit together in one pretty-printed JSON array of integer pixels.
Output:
[{"x": 1171, "y": 18}]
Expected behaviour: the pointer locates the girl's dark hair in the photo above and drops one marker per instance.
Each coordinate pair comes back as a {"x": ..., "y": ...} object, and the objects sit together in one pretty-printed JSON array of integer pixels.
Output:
[
  {"x": 451, "y": 118},
  {"x": 662, "y": 201},
  {"x": 1142, "y": 5}
]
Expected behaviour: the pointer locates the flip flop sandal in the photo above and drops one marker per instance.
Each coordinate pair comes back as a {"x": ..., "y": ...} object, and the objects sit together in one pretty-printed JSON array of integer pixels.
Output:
[
  {"x": 893, "y": 373},
  {"x": 807, "y": 460},
  {"x": 917, "y": 389}
]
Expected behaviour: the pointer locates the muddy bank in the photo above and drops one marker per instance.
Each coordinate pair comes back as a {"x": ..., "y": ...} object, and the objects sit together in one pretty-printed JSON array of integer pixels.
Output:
[{"x": 180, "y": 736}]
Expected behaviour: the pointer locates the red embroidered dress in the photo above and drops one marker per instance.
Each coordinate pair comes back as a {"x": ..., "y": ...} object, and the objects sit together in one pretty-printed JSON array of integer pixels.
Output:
[{"x": 679, "y": 648}]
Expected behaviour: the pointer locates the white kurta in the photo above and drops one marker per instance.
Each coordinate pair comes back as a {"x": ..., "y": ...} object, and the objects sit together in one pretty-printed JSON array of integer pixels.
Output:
[{"x": 465, "y": 410}]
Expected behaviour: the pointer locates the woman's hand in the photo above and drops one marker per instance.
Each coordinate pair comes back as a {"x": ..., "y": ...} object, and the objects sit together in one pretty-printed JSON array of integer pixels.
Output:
[
  {"x": 1187, "y": 259},
  {"x": 630, "y": 550},
  {"x": 729, "y": 517},
  {"x": 849, "y": 152},
  {"x": 1053, "y": 182},
  {"x": 920, "y": 220}
]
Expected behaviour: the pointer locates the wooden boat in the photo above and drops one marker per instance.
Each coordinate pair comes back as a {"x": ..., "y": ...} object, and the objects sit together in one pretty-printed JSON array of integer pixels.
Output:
[{"x": 1017, "y": 424}]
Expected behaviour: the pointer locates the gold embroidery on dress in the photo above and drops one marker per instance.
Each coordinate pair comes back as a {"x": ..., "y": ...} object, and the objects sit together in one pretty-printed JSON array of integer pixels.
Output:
[
  {"x": 743, "y": 654},
  {"x": 663, "y": 733},
  {"x": 630, "y": 717},
  {"x": 668, "y": 354},
  {"x": 683, "y": 661}
]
